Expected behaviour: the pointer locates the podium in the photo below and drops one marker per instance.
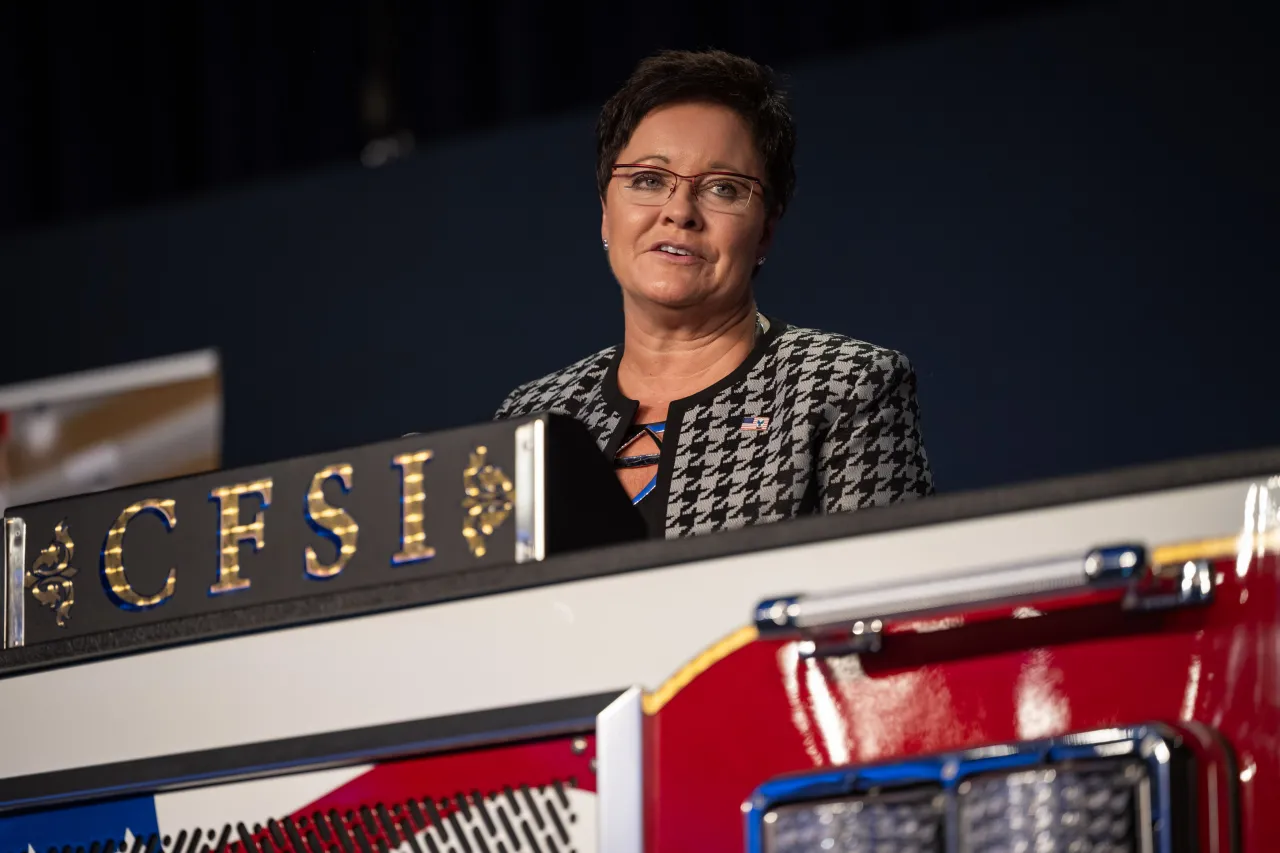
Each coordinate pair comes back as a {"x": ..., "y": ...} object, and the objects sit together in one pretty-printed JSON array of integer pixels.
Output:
[{"x": 156, "y": 563}]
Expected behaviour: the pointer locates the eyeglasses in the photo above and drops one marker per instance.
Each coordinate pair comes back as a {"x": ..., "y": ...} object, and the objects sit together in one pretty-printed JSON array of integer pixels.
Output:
[{"x": 727, "y": 192}]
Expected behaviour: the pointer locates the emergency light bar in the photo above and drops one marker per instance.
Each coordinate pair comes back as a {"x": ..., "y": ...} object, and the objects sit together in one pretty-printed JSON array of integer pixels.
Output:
[{"x": 1108, "y": 791}]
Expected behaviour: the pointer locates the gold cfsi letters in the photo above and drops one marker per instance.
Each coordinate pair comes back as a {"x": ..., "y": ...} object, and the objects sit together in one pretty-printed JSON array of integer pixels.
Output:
[
  {"x": 333, "y": 522},
  {"x": 231, "y": 532},
  {"x": 113, "y": 574},
  {"x": 413, "y": 498}
]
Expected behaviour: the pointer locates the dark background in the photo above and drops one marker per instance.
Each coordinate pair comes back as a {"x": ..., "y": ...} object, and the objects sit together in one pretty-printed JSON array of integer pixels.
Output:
[{"x": 1066, "y": 215}]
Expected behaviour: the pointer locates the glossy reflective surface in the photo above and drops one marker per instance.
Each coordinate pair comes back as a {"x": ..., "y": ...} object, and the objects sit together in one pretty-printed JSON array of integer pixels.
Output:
[{"x": 1212, "y": 671}]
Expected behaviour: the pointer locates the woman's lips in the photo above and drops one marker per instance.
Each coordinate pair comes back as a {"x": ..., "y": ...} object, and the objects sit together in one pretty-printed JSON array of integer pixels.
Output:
[{"x": 679, "y": 260}]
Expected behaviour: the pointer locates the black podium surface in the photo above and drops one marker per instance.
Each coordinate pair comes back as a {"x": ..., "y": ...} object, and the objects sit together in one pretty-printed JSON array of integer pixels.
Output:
[{"x": 122, "y": 568}]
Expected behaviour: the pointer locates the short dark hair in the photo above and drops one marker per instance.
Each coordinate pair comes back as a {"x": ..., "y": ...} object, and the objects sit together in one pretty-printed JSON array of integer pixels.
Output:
[{"x": 680, "y": 76}]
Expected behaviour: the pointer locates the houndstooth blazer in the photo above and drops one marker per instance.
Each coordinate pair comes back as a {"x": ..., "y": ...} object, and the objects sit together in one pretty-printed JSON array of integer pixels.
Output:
[{"x": 811, "y": 422}]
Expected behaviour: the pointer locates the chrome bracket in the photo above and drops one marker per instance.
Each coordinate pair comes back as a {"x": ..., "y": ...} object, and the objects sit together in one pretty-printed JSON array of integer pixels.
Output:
[
  {"x": 1117, "y": 564},
  {"x": 1166, "y": 587},
  {"x": 531, "y": 489},
  {"x": 862, "y": 637},
  {"x": 12, "y": 600},
  {"x": 777, "y": 613}
]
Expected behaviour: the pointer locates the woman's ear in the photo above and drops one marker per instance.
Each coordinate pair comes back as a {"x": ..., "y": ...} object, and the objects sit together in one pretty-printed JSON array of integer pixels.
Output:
[{"x": 766, "y": 236}]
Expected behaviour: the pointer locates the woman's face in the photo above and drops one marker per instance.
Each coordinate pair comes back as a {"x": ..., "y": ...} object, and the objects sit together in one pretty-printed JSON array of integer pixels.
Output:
[{"x": 687, "y": 139}]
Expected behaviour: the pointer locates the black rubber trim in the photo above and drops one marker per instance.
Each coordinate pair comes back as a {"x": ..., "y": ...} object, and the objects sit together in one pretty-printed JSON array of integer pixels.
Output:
[
  {"x": 560, "y": 717},
  {"x": 636, "y": 556}
]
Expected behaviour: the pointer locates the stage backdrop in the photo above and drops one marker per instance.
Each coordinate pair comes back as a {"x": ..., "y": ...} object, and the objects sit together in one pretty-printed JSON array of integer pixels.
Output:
[{"x": 1069, "y": 224}]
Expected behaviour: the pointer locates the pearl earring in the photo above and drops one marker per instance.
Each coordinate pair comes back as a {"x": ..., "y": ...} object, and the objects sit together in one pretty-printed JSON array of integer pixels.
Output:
[{"x": 606, "y": 245}]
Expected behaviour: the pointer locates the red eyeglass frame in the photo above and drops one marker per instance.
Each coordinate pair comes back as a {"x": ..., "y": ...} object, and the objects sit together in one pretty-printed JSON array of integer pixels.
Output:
[{"x": 691, "y": 178}]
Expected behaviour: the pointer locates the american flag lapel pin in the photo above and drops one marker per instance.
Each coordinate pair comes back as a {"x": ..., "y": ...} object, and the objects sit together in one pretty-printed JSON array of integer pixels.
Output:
[{"x": 752, "y": 423}]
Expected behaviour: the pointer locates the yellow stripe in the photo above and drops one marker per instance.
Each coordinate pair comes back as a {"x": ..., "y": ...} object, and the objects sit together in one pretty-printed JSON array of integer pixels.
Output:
[
  {"x": 654, "y": 701},
  {"x": 1217, "y": 549},
  {"x": 1204, "y": 549}
]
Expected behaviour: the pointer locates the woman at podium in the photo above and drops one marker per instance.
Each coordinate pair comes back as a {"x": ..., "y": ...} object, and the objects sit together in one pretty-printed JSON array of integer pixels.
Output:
[{"x": 716, "y": 415}]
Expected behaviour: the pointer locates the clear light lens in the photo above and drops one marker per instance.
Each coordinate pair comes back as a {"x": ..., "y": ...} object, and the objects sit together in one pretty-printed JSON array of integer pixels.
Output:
[
  {"x": 902, "y": 822},
  {"x": 1084, "y": 809}
]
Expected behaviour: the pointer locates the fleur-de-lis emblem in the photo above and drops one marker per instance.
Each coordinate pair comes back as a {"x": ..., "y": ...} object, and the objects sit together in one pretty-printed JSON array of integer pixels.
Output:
[
  {"x": 490, "y": 495},
  {"x": 49, "y": 578}
]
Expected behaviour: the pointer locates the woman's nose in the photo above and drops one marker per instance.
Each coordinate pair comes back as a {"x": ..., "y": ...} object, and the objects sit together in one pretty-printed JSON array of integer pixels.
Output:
[{"x": 682, "y": 207}]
